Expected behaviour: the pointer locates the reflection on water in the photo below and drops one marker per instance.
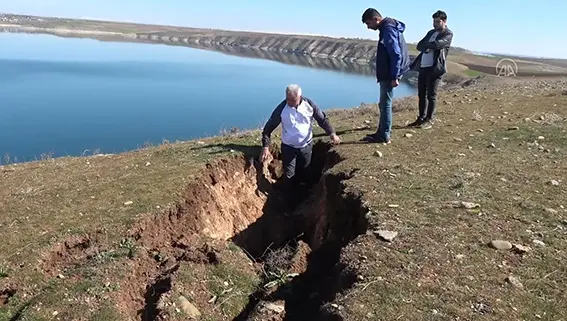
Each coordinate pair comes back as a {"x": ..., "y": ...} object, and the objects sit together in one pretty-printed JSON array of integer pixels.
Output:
[{"x": 334, "y": 64}]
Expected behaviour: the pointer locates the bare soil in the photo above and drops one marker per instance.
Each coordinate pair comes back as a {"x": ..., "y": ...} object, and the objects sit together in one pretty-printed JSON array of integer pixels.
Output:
[{"x": 226, "y": 247}]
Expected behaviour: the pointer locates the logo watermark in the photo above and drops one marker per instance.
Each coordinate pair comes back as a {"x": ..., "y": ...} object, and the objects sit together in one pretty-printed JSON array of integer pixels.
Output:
[{"x": 506, "y": 67}]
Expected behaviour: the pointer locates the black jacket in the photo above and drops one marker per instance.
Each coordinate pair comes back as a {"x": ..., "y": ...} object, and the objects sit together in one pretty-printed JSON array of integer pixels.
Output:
[{"x": 440, "y": 46}]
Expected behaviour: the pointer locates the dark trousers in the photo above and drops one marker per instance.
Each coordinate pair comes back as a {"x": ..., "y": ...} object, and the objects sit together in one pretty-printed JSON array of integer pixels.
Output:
[
  {"x": 297, "y": 174},
  {"x": 427, "y": 83}
]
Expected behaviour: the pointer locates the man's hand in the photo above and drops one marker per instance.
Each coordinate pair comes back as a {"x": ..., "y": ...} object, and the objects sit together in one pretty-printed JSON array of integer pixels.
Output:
[
  {"x": 395, "y": 83},
  {"x": 266, "y": 155},
  {"x": 335, "y": 139}
]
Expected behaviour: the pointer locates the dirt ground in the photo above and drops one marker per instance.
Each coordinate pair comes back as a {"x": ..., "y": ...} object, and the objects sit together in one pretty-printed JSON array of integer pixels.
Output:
[{"x": 462, "y": 221}]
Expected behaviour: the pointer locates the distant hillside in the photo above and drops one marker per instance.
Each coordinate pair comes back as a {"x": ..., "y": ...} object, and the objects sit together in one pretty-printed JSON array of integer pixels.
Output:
[{"x": 463, "y": 63}]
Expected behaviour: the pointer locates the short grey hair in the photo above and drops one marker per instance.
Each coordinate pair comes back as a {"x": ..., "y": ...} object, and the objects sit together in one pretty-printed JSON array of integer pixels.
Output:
[{"x": 293, "y": 90}]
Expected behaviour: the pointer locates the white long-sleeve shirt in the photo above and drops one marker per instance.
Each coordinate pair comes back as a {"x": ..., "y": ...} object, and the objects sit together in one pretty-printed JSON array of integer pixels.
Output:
[{"x": 297, "y": 123}]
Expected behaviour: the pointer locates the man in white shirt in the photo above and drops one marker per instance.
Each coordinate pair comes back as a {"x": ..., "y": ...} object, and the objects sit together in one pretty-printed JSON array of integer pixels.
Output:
[
  {"x": 296, "y": 114},
  {"x": 431, "y": 64}
]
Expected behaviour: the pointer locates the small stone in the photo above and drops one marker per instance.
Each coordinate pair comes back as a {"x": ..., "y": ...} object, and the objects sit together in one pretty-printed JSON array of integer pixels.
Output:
[
  {"x": 538, "y": 243},
  {"x": 188, "y": 308},
  {"x": 55, "y": 313},
  {"x": 408, "y": 135},
  {"x": 378, "y": 154},
  {"x": 521, "y": 249},
  {"x": 551, "y": 211},
  {"x": 387, "y": 236},
  {"x": 201, "y": 142},
  {"x": 128, "y": 203},
  {"x": 468, "y": 205},
  {"x": 514, "y": 282},
  {"x": 148, "y": 164},
  {"x": 334, "y": 305},
  {"x": 360, "y": 278},
  {"x": 553, "y": 182},
  {"x": 61, "y": 276},
  {"x": 501, "y": 245},
  {"x": 276, "y": 308},
  {"x": 367, "y": 121},
  {"x": 457, "y": 139},
  {"x": 480, "y": 130},
  {"x": 540, "y": 138}
]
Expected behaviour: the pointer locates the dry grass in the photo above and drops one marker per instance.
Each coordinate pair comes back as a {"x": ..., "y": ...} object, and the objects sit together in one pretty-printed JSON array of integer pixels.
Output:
[
  {"x": 46, "y": 202},
  {"x": 483, "y": 149},
  {"x": 486, "y": 152}
]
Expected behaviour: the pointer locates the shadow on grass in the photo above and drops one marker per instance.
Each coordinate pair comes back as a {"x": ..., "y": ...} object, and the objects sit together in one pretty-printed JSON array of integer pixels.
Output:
[
  {"x": 248, "y": 150},
  {"x": 254, "y": 151},
  {"x": 343, "y": 132}
]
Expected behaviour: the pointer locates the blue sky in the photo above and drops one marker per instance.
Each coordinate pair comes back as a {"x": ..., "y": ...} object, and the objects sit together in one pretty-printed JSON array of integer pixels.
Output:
[{"x": 534, "y": 28}]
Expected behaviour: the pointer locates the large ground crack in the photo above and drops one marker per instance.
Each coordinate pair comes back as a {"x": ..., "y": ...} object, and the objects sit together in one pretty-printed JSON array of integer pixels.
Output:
[
  {"x": 301, "y": 253},
  {"x": 235, "y": 199}
]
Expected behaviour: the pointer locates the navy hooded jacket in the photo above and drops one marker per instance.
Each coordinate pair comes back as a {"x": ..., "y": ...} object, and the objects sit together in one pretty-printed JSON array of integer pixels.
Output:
[{"x": 392, "y": 57}]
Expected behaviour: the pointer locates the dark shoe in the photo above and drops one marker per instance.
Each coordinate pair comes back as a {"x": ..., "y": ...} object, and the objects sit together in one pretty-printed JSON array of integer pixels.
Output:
[
  {"x": 377, "y": 139},
  {"x": 416, "y": 123},
  {"x": 370, "y": 137}
]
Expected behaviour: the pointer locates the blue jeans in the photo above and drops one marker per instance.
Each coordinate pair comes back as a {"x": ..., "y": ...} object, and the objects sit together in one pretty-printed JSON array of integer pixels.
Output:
[{"x": 385, "y": 107}]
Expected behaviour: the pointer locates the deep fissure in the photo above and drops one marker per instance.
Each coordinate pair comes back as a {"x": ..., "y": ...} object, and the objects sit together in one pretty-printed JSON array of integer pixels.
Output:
[
  {"x": 325, "y": 220},
  {"x": 236, "y": 199}
]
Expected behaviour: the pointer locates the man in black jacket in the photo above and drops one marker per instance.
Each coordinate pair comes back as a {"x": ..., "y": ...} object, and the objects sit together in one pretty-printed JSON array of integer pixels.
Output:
[{"x": 431, "y": 64}]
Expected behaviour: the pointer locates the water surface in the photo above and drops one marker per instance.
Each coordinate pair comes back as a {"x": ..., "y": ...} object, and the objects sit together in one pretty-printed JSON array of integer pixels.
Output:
[{"x": 67, "y": 96}]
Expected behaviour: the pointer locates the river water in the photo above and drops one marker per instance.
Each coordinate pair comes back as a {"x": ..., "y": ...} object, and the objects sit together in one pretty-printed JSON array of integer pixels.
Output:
[{"x": 69, "y": 96}]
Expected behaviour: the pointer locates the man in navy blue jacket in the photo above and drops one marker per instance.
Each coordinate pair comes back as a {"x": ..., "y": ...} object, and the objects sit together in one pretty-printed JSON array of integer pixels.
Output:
[{"x": 392, "y": 61}]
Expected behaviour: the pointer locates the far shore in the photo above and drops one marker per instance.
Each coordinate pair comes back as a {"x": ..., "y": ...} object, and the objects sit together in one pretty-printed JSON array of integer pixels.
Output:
[{"x": 462, "y": 64}]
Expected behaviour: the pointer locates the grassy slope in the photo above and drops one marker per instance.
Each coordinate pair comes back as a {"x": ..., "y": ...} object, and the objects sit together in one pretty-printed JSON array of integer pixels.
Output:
[
  {"x": 44, "y": 202},
  {"x": 440, "y": 265}
]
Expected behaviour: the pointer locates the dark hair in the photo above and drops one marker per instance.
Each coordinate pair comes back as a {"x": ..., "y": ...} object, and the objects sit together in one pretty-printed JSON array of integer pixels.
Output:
[
  {"x": 440, "y": 14},
  {"x": 369, "y": 14}
]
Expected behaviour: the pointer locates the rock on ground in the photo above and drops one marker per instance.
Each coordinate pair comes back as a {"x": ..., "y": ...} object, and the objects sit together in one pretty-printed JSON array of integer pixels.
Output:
[
  {"x": 501, "y": 245},
  {"x": 268, "y": 311},
  {"x": 521, "y": 248},
  {"x": 514, "y": 282},
  {"x": 188, "y": 308},
  {"x": 387, "y": 236}
]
